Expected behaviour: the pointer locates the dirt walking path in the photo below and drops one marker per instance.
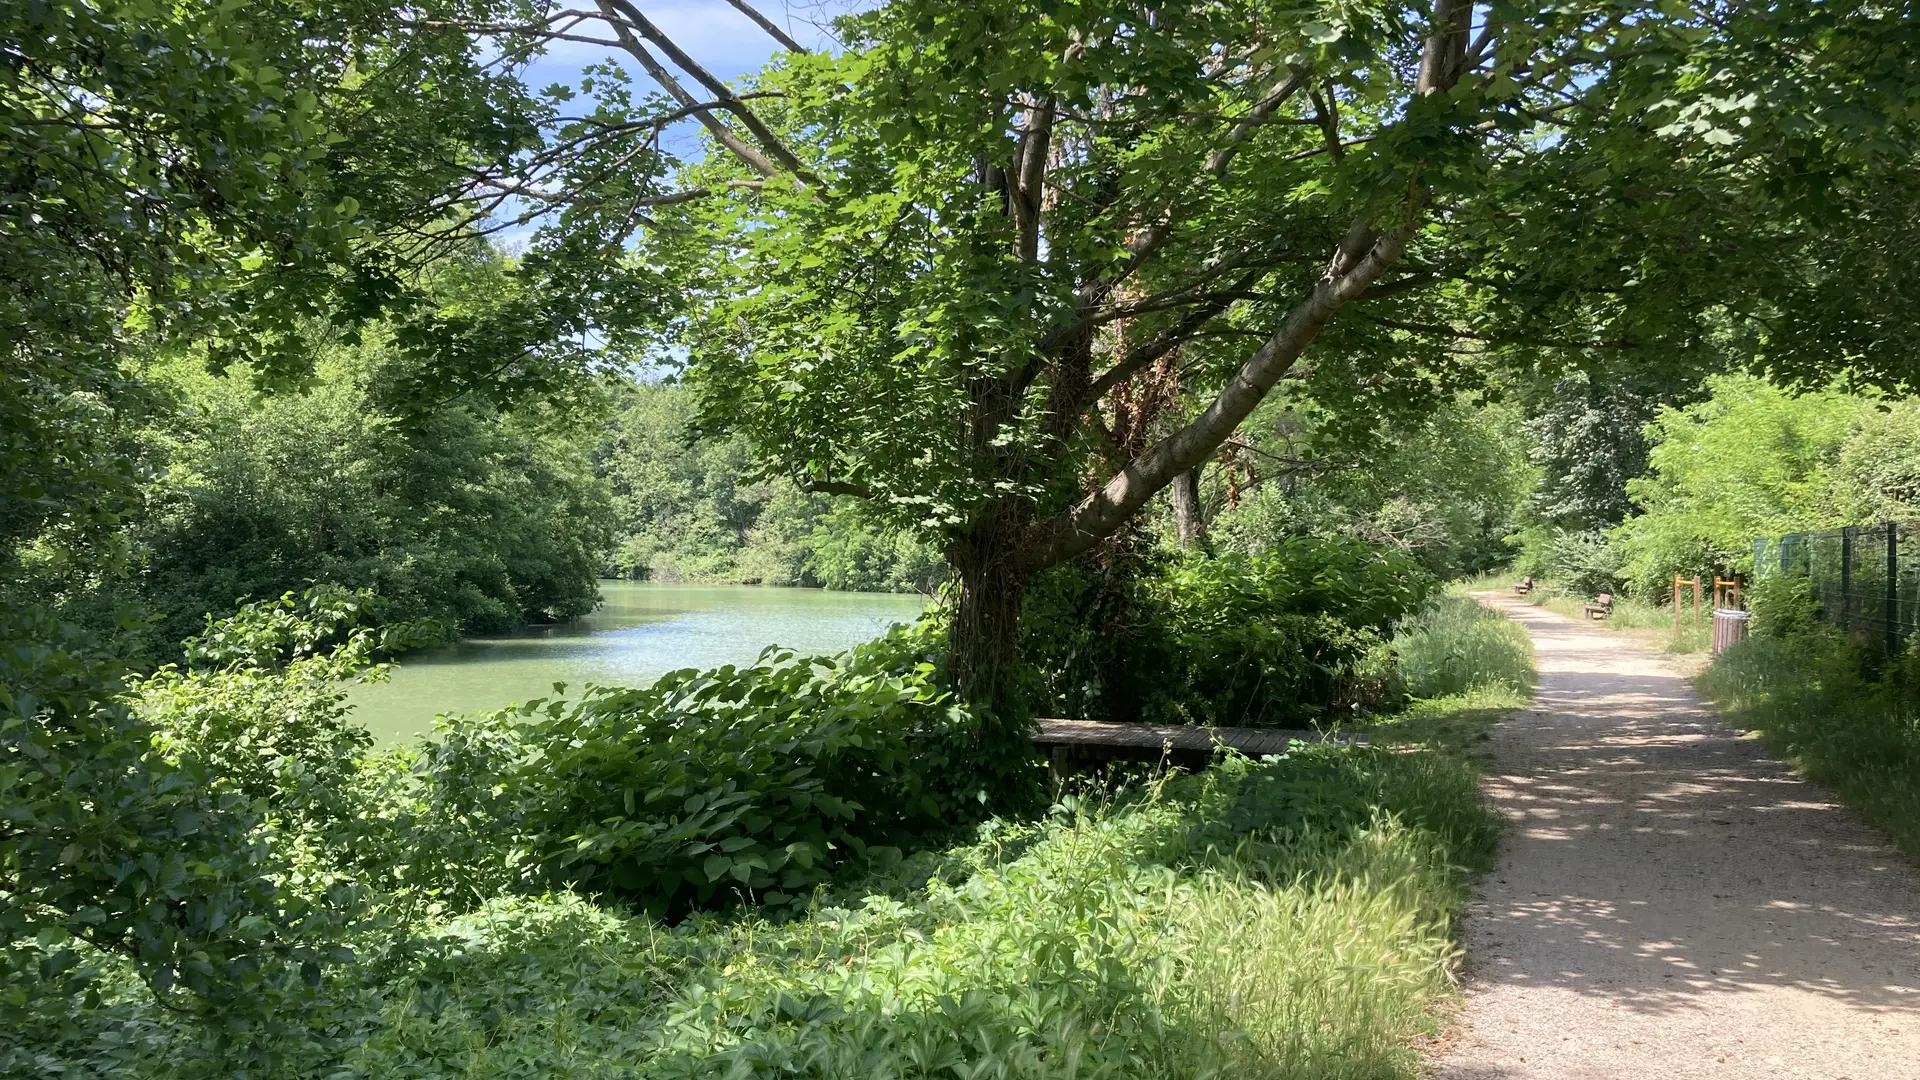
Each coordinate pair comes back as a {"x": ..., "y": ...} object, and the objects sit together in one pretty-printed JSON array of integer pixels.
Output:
[{"x": 1671, "y": 901}]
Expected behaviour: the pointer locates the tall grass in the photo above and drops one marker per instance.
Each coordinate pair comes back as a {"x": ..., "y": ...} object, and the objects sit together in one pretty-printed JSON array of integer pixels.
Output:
[
  {"x": 1282, "y": 919},
  {"x": 1456, "y": 645},
  {"x": 1814, "y": 700},
  {"x": 1288, "y": 918}
]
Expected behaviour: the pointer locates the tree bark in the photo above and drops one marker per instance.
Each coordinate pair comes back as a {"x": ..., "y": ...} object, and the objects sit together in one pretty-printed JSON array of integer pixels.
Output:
[
  {"x": 1189, "y": 524},
  {"x": 983, "y": 641}
]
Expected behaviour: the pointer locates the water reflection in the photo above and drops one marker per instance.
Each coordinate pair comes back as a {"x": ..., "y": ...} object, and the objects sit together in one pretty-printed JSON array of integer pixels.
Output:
[{"x": 639, "y": 632}]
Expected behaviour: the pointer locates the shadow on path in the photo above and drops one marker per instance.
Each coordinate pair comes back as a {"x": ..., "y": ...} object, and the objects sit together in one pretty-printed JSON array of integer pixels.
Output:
[{"x": 1671, "y": 900}]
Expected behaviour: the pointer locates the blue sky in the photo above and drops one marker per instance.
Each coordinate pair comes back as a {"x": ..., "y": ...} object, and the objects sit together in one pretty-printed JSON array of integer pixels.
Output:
[{"x": 716, "y": 35}]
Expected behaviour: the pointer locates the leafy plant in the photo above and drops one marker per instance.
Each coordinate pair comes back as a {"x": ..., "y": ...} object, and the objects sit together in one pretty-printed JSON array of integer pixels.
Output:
[
  {"x": 1291, "y": 636},
  {"x": 711, "y": 787},
  {"x": 1783, "y": 605}
]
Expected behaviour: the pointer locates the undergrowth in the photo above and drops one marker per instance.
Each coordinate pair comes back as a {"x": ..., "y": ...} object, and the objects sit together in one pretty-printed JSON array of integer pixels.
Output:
[
  {"x": 1824, "y": 706},
  {"x": 1286, "y": 918},
  {"x": 1290, "y": 917}
]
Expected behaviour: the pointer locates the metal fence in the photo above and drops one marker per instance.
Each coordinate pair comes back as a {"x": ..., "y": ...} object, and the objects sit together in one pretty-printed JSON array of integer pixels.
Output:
[{"x": 1866, "y": 578}]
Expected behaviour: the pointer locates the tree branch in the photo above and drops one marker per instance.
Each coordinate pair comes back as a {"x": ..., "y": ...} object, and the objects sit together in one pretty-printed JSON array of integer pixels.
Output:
[
  {"x": 626, "y": 20},
  {"x": 1361, "y": 258},
  {"x": 767, "y": 24}
]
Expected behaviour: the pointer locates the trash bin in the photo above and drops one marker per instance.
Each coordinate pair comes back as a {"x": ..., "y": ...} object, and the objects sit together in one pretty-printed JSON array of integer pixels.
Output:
[{"x": 1729, "y": 626}]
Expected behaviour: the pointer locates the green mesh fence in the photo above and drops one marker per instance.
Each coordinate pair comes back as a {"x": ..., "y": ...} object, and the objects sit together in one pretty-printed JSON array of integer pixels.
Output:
[{"x": 1866, "y": 578}]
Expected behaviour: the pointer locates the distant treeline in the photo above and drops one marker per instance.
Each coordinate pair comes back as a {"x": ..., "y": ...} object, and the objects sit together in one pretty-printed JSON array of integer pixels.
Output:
[{"x": 692, "y": 509}]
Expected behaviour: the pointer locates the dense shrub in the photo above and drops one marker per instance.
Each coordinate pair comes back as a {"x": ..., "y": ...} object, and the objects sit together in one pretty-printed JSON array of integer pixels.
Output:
[
  {"x": 1783, "y": 606},
  {"x": 1285, "y": 919},
  {"x": 708, "y": 787},
  {"x": 1752, "y": 460},
  {"x": 1289, "y": 918},
  {"x": 1289, "y": 637},
  {"x": 482, "y": 518}
]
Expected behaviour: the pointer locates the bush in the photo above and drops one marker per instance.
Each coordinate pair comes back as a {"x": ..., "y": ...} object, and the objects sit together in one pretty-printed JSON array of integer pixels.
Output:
[
  {"x": 1283, "y": 919},
  {"x": 1783, "y": 606},
  {"x": 709, "y": 787},
  {"x": 1290, "y": 637},
  {"x": 1296, "y": 635}
]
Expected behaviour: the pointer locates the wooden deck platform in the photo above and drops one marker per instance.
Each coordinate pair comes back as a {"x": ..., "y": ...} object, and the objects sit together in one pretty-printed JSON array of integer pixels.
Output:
[{"x": 1072, "y": 743}]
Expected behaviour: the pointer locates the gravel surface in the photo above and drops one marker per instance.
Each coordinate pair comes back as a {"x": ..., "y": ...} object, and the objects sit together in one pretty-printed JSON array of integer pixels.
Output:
[{"x": 1671, "y": 902}]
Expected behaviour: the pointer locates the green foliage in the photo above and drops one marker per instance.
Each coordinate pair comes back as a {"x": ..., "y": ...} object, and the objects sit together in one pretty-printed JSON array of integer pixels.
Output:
[
  {"x": 1583, "y": 563},
  {"x": 709, "y": 788},
  {"x": 1443, "y": 488},
  {"x": 1455, "y": 645},
  {"x": 691, "y": 508},
  {"x": 1819, "y": 703},
  {"x": 1287, "y": 918},
  {"x": 262, "y": 702},
  {"x": 479, "y": 519},
  {"x": 132, "y": 854},
  {"x": 1349, "y": 580},
  {"x": 1586, "y": 440},
  {"x": 1782, "y": 606},
  {"x": 1287, "y": 637},
  {"x": 1750, "y": 461}
]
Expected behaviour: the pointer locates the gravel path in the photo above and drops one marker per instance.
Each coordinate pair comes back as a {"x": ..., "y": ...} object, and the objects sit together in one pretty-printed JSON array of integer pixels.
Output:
[{"x": 1671, "y": 901}]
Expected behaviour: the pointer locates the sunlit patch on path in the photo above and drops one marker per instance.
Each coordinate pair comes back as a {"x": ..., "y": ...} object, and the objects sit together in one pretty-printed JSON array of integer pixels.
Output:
[{"x": 1671, "y": 901}]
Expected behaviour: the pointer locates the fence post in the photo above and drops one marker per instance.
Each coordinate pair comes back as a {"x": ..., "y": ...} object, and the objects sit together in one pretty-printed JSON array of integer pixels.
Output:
[
  {"x": 1893, "y": 592},
  {"x": 1846, "y": 575}
]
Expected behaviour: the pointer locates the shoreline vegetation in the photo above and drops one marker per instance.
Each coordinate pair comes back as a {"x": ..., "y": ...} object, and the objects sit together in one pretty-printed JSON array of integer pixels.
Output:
[{"x": 1291, "y": 916}]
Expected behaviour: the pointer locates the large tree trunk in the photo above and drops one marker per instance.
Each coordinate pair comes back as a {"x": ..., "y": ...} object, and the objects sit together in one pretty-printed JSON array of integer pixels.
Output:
[
  {"x": 983, "y": 641},
  {"x": 1189, "y": 523}
]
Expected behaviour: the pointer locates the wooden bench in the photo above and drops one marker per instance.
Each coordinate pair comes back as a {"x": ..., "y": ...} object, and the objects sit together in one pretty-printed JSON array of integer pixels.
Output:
[
  {"x": 1601, "y": 607},
  {"x": 1072, "y": 744},
  {"x": 1523, "y": 586}
]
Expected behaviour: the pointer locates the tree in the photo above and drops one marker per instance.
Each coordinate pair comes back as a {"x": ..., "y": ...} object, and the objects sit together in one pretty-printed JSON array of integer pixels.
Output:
[
  {"x": 922, "y": 268},
  {"x": 231, "y": 177},
  {"x": 1752, "y": 460},
  {"x": 983, "y": 200},
  {"x": 1586, "y": 439}
]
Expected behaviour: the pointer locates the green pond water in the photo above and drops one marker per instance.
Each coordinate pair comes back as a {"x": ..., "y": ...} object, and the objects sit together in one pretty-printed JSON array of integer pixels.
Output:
[{"x": 639, "y": 632}]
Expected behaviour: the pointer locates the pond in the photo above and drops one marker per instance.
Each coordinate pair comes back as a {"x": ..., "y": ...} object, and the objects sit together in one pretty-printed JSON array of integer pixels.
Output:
[{"x": 639, "y": 632}]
